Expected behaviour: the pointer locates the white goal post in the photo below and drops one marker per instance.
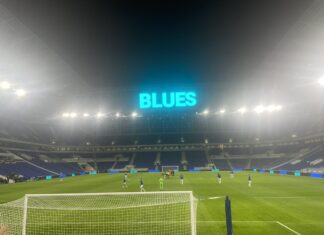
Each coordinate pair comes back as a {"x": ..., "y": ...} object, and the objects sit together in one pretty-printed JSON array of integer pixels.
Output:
[
  {"x": 122, "y": 213},
  {"x": 170, "y": 168}
]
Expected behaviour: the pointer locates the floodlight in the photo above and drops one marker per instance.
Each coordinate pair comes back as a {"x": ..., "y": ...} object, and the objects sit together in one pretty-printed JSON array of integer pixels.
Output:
[
  {"x": 73, "y": 115},
  {"x": 278, "y": 107},
  {"x": 5, "y": 85},
  {"x": 242, "y": 110},
  {"x": 100, "y": 115},
  {"x": 65, "y": 115},
  {"x": 86, "y": 115},
  {"x": 134, "y": 114},
  {"x": 271, "y": 108},
  {"x": 20, "y": 92},
  {"x": 259, "y": 109},
  {"x": 205, "y": 112},
  {"x": 222, "y": 111},
  {"x": 117, "y": 115},
  {"x": 321, "y": 81}
]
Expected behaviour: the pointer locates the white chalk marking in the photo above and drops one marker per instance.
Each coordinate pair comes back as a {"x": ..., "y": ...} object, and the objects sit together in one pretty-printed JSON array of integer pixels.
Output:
[{"x": 290, "y": 229}]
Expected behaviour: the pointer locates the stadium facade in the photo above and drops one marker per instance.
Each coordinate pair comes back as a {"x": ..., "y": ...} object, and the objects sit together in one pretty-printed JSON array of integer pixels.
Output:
[{"x": 190, "y": 141}]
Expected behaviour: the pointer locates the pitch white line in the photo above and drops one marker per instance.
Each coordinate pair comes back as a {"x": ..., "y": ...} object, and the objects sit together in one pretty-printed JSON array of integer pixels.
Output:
[
  {"x": 237, "y": 221},
  {"x": 212, "y": 198},
  {"x": 280, "y": 197},
  {"x": 290, "y": 229}
]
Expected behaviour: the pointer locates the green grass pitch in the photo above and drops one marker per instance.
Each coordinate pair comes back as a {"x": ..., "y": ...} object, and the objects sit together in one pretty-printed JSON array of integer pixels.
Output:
[{"x": 275, "y": 204}]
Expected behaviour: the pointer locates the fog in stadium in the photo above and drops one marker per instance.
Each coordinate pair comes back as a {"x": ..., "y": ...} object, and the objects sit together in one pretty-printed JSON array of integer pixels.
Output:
[{"x": 161, "y": 117}]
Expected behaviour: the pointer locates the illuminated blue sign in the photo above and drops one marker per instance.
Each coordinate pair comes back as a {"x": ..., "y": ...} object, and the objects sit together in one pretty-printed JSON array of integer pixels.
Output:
[{"x": 167, "y": 100}]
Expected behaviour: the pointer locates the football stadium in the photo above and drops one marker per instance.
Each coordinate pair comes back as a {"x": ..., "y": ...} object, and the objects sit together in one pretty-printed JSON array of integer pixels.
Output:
[{"x": 161, "y": 117}]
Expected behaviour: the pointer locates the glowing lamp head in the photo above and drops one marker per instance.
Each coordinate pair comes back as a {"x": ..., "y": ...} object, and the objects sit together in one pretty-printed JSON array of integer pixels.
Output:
[
  {"x": 65, "y": 115},
  {"x": 117, "y": 115},
  {"x": 134, "y": 114},
  {"x": 86, "y": 115},
  {"x": 73, "y": 115},
  {"x": 205, "y": 112},
  {"x": 242, "y": 110},
  {"x": 100, "y": 115},
  {"x": 5, "y": 85},
  {"x": 20, "y": 92},
  {"x": 271, "y": 108},
  {"x": 222, "y": 111},
  {"x": 321, "y": 81},
  {"x": 259, "y": 109},
  {"x": 278, "y": 107}
]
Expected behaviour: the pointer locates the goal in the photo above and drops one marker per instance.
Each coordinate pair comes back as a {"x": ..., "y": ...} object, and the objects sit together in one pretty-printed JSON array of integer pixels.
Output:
[
  {"x": 126, "y": 213},
  {"x": 170, "y": 168}
]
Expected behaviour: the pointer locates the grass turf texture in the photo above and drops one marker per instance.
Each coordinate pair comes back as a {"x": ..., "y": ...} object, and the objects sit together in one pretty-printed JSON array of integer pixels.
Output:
[{"x": 273, "y": 202}]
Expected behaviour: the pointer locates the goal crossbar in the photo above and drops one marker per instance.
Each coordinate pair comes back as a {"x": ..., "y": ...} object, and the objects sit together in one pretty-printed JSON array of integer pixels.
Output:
[{"x": 109, "y": 193}]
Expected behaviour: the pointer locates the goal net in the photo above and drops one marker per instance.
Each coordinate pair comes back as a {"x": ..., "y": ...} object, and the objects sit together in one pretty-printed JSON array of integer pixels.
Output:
[
  {"x": 170, "y": 168},
  {"x": 101, "y": 214}
]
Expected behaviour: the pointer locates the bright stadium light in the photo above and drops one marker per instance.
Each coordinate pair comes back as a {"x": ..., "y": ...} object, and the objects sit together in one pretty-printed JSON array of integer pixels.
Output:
[
  {"x": 321, "y": 81},
  {"x": 222, "y": 111},
  {"x": 117, "y": 114},
  {"x": 5, "y": 85},
  {"x": 20, "y": 92},
  {"x": 271, "y": 108},
  {"x": 242, "y": 110},
  {"x": 205, "y": 112},
  {"x": 65, "y": 115},
  {"x": 100, "y": 115},
  {"x": 259, "y": 109},
  {"x": 73, "y": 115},
  {"x": 86, "y": 115},
  {"x": 278, "y": 107},
  {"x": 134, "y": 114}
]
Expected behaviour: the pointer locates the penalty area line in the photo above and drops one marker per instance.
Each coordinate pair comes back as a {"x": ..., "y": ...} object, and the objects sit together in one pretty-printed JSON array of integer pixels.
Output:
[
  {"x": 211, "y": 198},
  {"x": 237, "y": 221},
  {"x": 286, "y": 227}
]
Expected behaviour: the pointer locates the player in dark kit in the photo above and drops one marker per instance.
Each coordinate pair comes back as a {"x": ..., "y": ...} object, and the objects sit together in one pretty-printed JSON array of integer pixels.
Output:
[
  {"x": 125, "y": 183},
  {"x": 181, "y": 179}
]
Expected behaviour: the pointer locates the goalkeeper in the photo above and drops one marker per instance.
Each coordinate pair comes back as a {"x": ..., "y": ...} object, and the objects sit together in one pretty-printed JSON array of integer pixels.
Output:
[{"x": 161, "y": 183}]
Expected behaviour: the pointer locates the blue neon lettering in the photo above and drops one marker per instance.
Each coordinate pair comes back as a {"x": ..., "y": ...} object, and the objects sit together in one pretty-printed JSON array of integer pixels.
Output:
[
  {"x": 191, "y": 99},
  {"x": 155, "y": 103},
  {"x": 167, "y": 100},
  {"x": 145, "y": 100}
]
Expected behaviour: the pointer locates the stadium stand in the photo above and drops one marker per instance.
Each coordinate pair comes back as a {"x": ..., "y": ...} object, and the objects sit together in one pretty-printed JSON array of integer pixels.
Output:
[
  {"x": 170, "y": 158},
  {"x": 23, "y": 168},
  {"x": 145, "y": 160},
  {"x": 196, "y": 159},
  {"x": 33, "y": 152}
]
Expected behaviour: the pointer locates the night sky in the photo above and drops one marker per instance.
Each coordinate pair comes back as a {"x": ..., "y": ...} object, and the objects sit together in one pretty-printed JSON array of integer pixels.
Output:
[{"x": 158, "y": 43}]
